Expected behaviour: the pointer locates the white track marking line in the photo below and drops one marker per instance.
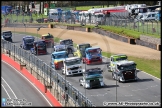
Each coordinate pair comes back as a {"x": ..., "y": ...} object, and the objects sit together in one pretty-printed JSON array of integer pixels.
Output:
[
  {"x": 30, "y": 83},
  {"x": 7, "y": 92},
  {"x": 10, "y": 89}
]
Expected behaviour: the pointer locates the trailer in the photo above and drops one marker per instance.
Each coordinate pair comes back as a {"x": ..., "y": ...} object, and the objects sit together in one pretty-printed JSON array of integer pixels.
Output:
[{"x": 6, "y": 9}]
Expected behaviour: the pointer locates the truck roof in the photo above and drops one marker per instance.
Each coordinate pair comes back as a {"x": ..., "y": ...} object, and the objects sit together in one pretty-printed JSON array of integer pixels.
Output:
[
  {"x": 125, "y": 63},
  {"x": 65, "y": 40},
  {"x": 6, "y": 31},
  {"x": 93, "y": 70},
  {"x": 47, "y": 34},
  {"x": 60, "y": 52},
  {"x": 28, "y": 37},
  {"x": 119, "y": 55},
  {"x": 71, "y": 58},
  {"x": 91, "y": 48},
  {"x": 83, "y": 44}
]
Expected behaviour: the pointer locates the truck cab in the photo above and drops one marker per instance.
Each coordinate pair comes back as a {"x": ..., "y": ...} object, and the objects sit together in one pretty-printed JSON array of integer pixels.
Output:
[
  {"x": 49, "y": 39},
  {"x": 92, "y": 56},
  {"x": 81, "y": 49},
  {"x": 6, "y": 35},
  {"x": 39, "y": 47},
  {"x": 92, "y": 78},
  {"x": 27, "y": 42},
  {"x": 72, "y": 66},
  {"x": 115, "y": 58},
  {"x": 124, "y": 71},
  {"x": 59, "y": 47},
  {"x": 57, "y": 59},
  {"x": 68, "y": 44}
]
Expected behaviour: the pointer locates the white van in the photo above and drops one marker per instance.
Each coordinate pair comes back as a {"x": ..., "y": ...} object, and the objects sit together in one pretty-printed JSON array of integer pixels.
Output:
[{"x": 150, "y": 16}]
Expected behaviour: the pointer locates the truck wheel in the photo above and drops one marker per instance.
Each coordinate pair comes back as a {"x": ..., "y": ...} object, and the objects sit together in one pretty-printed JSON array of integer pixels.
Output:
[
  {"x": 83, "y": 61},
  {"x": 69, "y": 50},
  {"x": 113, "y": 76},
  {"x": 119, "y": 79},
  {"x": 62, "y": 73}
]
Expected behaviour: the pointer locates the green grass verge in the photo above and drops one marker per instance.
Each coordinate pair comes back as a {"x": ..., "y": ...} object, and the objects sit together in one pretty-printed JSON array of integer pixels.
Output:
[
  {"x": 121, "y": 31},
  {"x": 149, "y": 66}
]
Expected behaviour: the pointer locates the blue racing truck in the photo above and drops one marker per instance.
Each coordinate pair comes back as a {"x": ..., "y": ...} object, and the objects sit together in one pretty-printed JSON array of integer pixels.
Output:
[
  {"x": 57, "y": 59},
  {"x": 7, "y": 35},
  {"x": 27, "y": 42}
]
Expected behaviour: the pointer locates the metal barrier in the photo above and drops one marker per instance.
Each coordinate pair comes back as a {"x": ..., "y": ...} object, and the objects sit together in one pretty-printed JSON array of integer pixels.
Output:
[
  {"x": 120, "y": 21},
  {"x": 64, "y": 92}
]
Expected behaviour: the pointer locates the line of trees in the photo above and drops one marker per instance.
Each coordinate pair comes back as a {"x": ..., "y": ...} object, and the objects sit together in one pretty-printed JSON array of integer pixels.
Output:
[{"x": 75, "y": 3}]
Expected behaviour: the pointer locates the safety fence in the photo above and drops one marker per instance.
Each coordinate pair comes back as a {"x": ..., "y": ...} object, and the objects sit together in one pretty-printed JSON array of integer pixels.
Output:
[
  {"x": 119, "y": 21},
  {"x": 60, "y": 88}
]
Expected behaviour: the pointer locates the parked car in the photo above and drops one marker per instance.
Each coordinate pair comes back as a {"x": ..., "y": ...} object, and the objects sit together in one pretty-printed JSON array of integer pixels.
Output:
[
  {"x": 27, "y": 42},
  {"x": 39, "y": 47}
]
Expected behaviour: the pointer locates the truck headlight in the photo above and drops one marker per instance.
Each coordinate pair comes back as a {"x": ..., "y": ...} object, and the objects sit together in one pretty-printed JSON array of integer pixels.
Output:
[
  {"x": 101, "y": 80},
  {"x": 80, "y": 66},
  {"x": 68, "y": 69},
  {"x": 88, "y": 81}
]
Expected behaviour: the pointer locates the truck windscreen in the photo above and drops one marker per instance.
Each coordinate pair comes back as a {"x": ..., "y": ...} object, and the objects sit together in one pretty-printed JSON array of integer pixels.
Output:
[{"x": 73, "y": 62}]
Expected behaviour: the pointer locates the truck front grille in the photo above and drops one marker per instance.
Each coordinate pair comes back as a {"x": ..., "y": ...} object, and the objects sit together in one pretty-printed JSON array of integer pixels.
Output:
[{"x": 74, "y": 68}]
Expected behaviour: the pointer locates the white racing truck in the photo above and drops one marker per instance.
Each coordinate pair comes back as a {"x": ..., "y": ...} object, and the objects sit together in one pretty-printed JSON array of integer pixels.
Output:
[
  {"x": 72, "y": 66},
  {"x": 124, "y": 71},
  {"x": 59, "y": 47},
  {"x": 92, "y": 78}
]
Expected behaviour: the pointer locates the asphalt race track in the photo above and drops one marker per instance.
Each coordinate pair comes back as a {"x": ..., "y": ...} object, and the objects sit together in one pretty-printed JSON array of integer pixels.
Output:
[
  {"x": 14, "y": 86},
  {"x": 146, "y": 89}
]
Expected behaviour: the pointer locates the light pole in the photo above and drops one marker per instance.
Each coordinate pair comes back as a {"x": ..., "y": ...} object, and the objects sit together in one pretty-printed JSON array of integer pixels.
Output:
[
  {"x": 85, "y": 85},
  {"x": 25, "y": 27},
  {"x": 65, "y": 81},
  {"x": 37, "y": 36},
  {"x": 13, "y": 38}
]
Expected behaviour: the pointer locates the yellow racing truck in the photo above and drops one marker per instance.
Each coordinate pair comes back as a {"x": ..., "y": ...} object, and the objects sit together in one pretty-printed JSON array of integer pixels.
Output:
[
  {"x": 114, "y": 59},
  {"x": 81, "y": 49}
]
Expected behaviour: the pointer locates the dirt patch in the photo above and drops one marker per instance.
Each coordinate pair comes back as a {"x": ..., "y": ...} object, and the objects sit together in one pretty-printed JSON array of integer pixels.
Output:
[{"x": 107, "y": 44}]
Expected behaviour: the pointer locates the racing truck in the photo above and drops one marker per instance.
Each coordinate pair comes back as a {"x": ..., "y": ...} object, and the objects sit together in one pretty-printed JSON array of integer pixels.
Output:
[
  {"x": 68, "y": 44},
  {"x": 124, "y": 71},
  {"x": 27, "y": 42},
  {"x": 59, "y": 47},
  {"x": 49, "y": 39},
  {"x": 6, "y": 35},
  {"x": 57, "y": 59},
  {"x": 115, "y": 58},
  {"x": 39, "y": 47},
  {"x": 72, "y": 66},
  {"x": 92, "y": 56},
  {"x": 81, "y": 49},
  {"x": 92, "y": 78}
]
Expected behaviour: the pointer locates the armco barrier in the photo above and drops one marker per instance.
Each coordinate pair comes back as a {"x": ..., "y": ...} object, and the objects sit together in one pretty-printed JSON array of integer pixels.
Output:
[
  {"x": 117, "y": 37},
  {"x": 50, "y": 79},
  {"x": 147, "y": 44},
  {"x": 27, "y": 74}
]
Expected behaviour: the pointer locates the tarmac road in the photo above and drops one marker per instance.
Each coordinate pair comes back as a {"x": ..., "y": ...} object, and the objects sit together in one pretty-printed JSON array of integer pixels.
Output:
[
  {"x": 146, "y": 89},
  {"x": 15, "y": 86}
]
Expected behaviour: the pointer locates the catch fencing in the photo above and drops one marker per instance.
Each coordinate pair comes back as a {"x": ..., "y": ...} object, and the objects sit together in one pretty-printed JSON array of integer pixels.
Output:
[
  {"x": 60, "y": 88},
  {"x": 119, "y": 21}
]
